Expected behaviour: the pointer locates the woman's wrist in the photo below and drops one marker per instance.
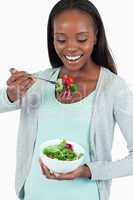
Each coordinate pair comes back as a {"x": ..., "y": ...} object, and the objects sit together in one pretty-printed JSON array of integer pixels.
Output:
[{"x": 87, "y": 172}]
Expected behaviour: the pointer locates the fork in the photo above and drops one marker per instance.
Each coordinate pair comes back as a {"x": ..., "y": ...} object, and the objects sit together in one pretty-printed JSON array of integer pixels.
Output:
[{"x": 37, "y": 77}]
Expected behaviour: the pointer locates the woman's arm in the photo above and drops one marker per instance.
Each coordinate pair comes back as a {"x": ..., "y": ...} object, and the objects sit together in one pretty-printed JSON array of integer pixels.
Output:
[
  {"x": 7, "y": 105},
  {"x": 123, "y": 113}
]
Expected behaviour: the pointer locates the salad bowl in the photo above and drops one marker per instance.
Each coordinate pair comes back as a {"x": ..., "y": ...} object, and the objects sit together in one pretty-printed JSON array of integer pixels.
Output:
[{"x": 61, "y": 156}]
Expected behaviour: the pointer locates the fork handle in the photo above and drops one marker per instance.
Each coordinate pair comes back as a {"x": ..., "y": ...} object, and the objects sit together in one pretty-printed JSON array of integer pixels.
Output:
[{"x": 34, "y": 76}]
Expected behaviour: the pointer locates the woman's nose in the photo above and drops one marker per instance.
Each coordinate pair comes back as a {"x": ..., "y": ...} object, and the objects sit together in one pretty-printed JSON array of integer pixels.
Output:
[{"x": 71, "y": 46}]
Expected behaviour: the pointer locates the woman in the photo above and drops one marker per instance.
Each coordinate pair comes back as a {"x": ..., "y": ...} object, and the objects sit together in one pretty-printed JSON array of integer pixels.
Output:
[{"x": 77, "y": 46}]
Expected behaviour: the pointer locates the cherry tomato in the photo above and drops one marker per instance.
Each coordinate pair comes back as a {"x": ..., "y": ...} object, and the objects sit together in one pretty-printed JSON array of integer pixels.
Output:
[
  {"x": 67, "y": 80},
  {"x": 69, "y": 146},
  {"x": 70, "y": 80}
]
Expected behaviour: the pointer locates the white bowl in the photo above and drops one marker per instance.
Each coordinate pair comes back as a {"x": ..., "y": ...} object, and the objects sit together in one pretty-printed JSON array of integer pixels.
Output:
[{"x": 61, "y": 166}]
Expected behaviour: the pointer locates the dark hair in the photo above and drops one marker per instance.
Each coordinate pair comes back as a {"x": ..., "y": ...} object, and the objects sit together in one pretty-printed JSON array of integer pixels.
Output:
[{"x": 101, "y": 54}]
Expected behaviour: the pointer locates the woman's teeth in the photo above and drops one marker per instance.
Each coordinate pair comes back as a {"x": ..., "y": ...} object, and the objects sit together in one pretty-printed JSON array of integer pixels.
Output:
[{"x": 73, "y": 58}]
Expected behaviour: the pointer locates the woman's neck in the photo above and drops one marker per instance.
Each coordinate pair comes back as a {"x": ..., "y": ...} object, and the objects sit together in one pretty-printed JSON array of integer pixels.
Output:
[{"x": 84, "y": 74}]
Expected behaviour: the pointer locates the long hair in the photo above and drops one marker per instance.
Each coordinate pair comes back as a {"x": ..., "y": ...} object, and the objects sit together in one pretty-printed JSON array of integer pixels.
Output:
[{"x": 101, "y": 54}]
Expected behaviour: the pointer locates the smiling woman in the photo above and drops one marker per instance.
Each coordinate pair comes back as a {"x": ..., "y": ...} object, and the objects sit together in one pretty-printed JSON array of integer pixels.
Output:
[
  {"x": 78, "y": 50},
  {"x": 76, "y": 41}
]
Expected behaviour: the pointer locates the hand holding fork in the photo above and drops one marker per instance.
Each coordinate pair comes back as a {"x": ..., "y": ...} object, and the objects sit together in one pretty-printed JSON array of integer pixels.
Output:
[{"x": 19, "y": 82}]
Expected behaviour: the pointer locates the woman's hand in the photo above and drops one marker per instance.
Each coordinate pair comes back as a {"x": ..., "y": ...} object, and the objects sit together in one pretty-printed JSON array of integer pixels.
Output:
[
  {"x": 19, "y": 81},
  {"x": 82, "y": 171}
]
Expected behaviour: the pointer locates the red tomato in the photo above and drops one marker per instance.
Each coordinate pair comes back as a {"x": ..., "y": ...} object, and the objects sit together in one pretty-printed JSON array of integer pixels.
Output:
[
  {"x": 69, "y": 146},
  {"x": 68, "y": 80}
]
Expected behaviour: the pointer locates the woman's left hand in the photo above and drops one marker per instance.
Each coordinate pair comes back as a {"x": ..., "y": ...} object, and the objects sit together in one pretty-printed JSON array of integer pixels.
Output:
[{"x": 82, "y": 171}]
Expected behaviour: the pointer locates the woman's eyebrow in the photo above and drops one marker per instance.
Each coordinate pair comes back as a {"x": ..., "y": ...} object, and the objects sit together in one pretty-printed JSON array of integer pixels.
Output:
[{"x": 79, "y": 33}]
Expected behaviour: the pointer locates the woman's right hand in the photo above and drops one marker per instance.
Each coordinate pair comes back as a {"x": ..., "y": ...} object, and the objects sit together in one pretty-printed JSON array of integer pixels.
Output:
[{"x": 19, "y": 81}]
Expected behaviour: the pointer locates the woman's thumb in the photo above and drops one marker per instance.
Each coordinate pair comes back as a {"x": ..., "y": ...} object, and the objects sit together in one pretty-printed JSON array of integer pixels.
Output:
[{"x": 13, "y": 70}]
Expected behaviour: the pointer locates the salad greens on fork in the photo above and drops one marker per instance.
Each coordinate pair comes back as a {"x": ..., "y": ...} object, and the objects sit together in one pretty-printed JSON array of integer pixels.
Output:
[{"x": 64, "y": 86}]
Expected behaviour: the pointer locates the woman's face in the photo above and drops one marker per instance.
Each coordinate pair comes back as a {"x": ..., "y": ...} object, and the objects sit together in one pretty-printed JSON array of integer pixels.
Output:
[{"x": 74, "y": 38}]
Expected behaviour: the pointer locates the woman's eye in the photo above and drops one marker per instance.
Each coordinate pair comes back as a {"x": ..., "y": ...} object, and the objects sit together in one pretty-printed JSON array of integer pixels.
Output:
[
  {"x": 82, "y": 40},
  {"x": 61, "y": 41}
]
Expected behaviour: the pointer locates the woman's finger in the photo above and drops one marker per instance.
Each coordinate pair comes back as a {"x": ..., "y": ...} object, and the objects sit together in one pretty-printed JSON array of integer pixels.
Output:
[
  {"x": 16, "y": 77},
  {"x": 43, "y": 171},
  {"x": 24, "y": 81},
  {"x": 47, "y": 171},
  {"x": 13, "y": 70},
  {"x": 69, "y": 175},
  {"x": 23, "y": 90},
  {"x": 66, "y": 176},
  {"x": 28, "y": 85},
  {"x": 21, "y": 80}
]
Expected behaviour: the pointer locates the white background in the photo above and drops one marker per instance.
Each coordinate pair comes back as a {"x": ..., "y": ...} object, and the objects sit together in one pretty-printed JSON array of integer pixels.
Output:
[{"x": 23, "y": 46}]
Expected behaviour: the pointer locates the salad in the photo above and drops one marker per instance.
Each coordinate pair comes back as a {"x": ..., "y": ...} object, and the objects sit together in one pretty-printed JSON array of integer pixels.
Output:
[
  {"x": 66, "y": 86},
  {"x": 61, "y": 151}
]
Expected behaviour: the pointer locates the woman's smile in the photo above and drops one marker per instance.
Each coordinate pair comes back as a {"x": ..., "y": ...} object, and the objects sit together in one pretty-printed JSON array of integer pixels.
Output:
[{"x": 70, "y": 60}]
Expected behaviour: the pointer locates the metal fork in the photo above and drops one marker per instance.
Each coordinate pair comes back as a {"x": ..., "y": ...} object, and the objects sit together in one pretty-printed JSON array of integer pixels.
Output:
[{"x": 37, "y": 77}]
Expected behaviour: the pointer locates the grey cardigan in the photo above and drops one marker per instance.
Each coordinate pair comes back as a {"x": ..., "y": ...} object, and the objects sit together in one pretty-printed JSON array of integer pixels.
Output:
[{"x": 113, "y": 103}]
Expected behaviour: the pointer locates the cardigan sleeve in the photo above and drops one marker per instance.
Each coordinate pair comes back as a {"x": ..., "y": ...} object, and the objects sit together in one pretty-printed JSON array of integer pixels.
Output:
[
  {"x": 6, "y": 105},
  {"x": 123, "y": 114}
]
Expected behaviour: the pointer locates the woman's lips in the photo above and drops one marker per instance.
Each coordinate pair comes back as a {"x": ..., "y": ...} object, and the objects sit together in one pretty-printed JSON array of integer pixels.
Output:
[{"x": 72, "y": 61}]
